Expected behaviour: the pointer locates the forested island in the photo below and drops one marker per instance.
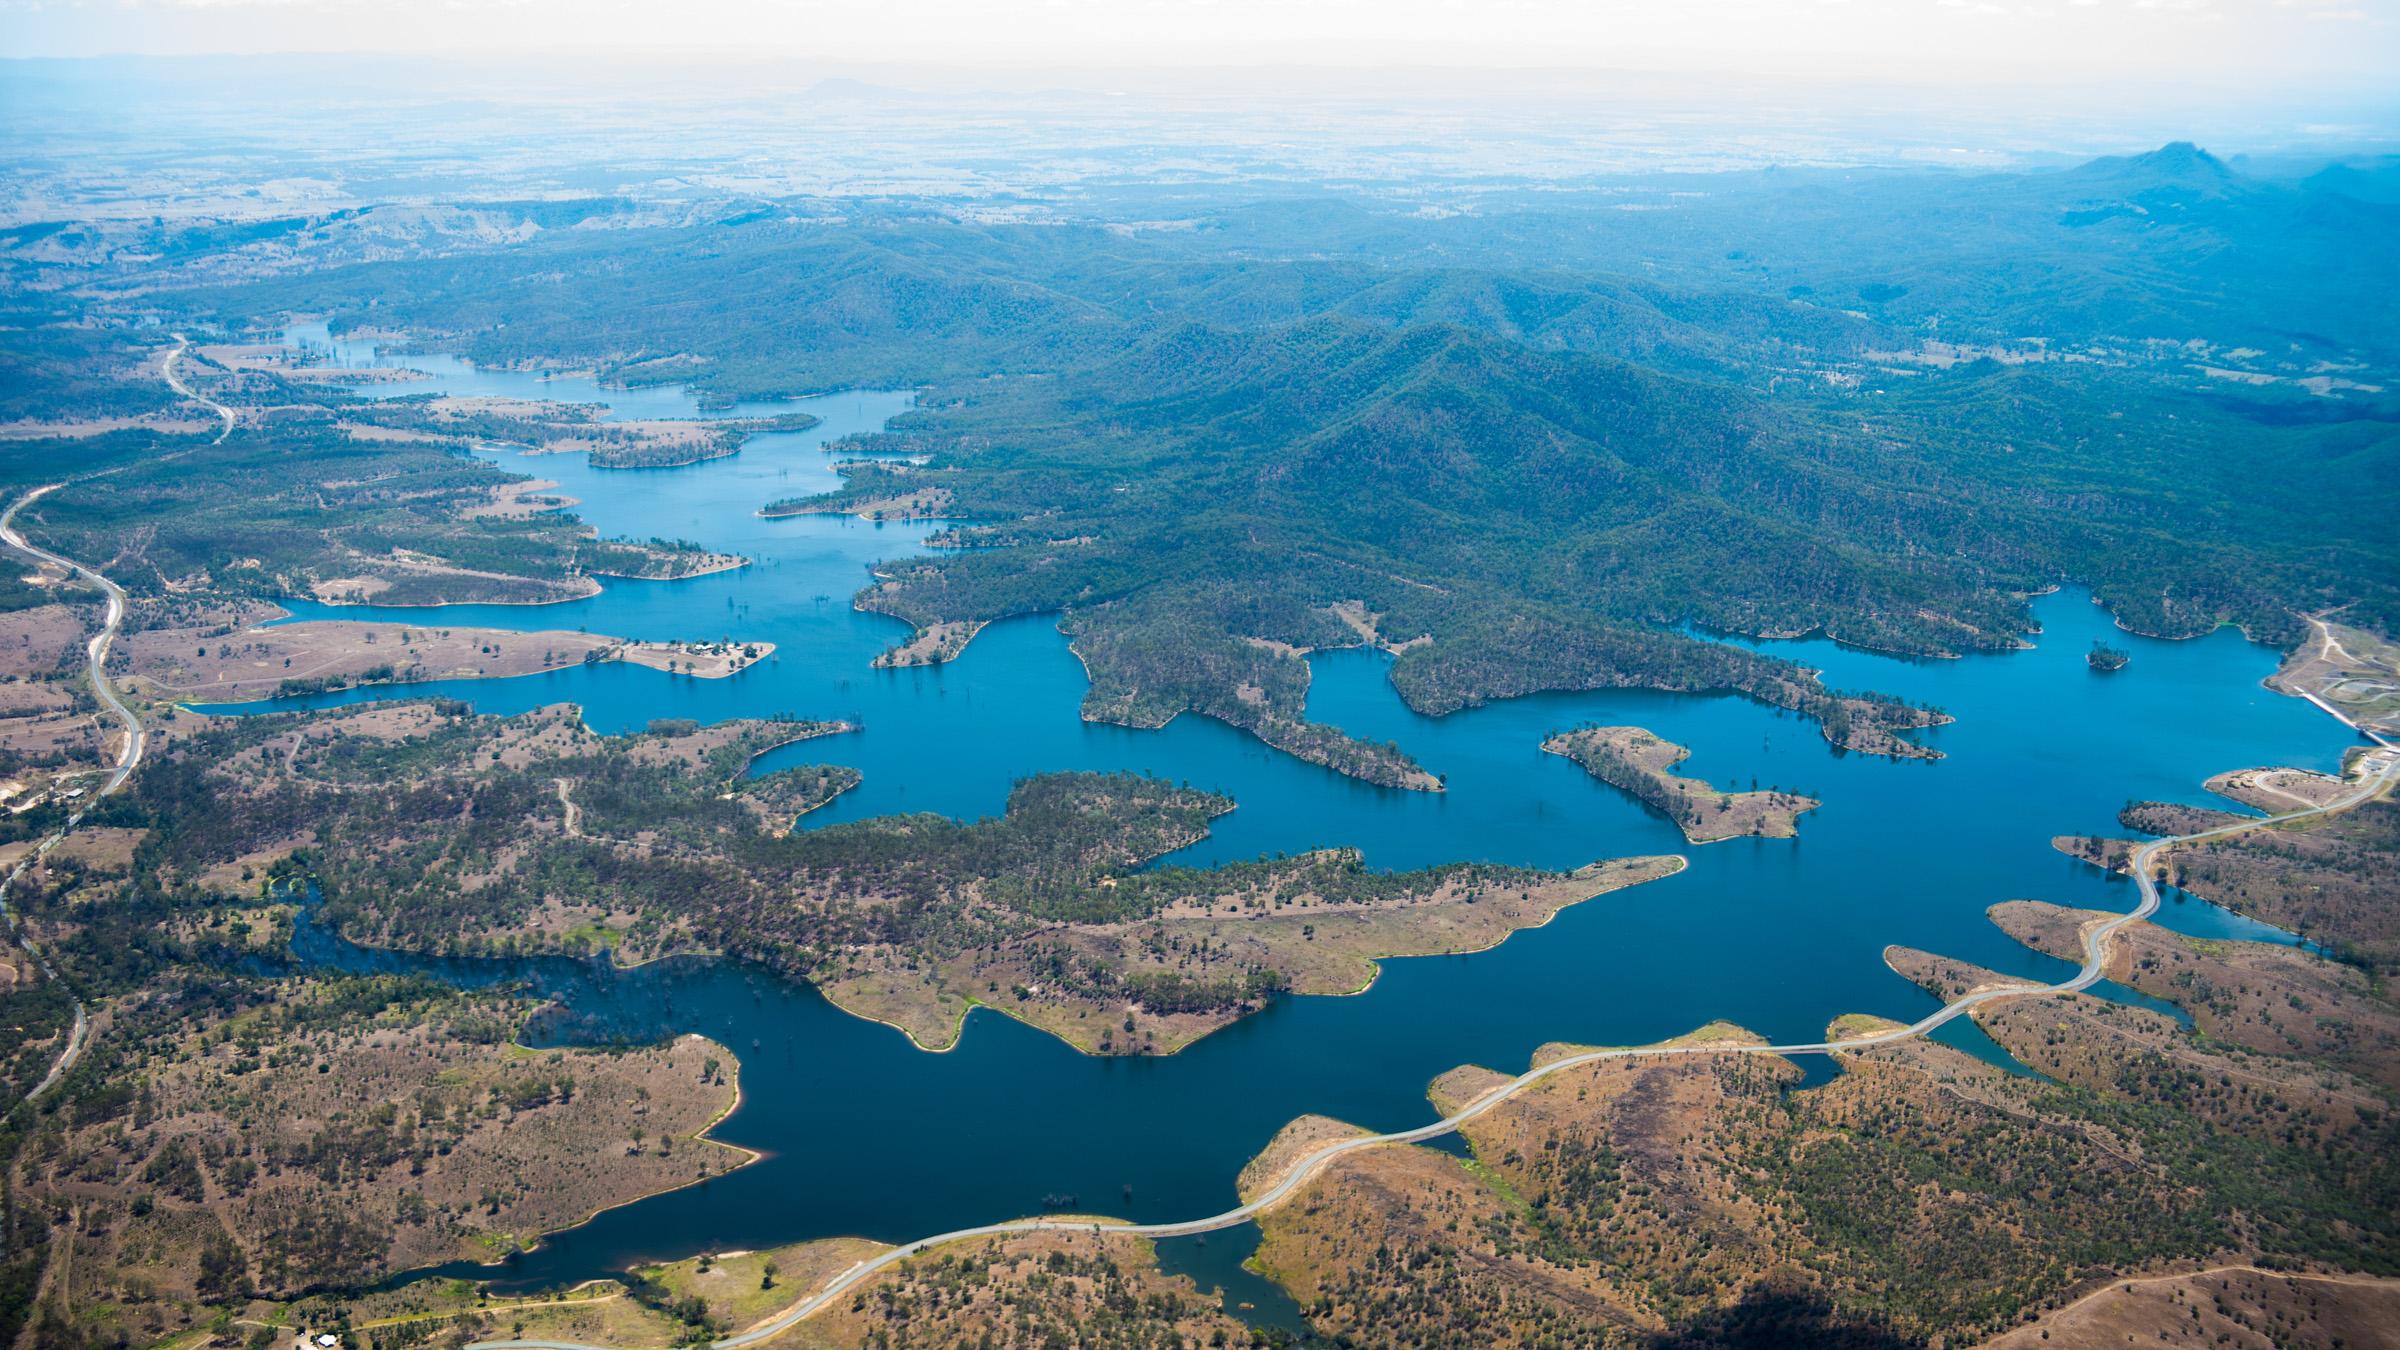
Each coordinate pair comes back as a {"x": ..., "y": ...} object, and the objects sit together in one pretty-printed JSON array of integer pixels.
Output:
[{"x": 1635, "y": 760}]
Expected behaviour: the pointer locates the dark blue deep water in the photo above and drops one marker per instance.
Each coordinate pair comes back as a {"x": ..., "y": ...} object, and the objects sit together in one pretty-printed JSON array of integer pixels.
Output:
[{"x": 865, "y": 1134}]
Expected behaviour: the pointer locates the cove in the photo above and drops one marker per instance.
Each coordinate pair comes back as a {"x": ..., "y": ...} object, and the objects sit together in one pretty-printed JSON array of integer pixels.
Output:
[{"x": 865, "y": 1134}]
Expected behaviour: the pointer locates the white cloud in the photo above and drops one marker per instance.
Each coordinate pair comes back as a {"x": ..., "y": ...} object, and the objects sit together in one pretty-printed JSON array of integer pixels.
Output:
[{"x": 1987, "y": 40}]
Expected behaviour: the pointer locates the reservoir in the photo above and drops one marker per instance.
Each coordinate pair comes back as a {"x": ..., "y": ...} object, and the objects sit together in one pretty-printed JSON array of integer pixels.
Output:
[{"x": 865, "y": 1134}]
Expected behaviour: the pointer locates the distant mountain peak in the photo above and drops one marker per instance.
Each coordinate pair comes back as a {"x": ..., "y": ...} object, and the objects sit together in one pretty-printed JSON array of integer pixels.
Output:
[
  {"x": 2182, "y": 157},
  {"x": 2175, "y": 157},
  {"x": 2178, "y": 166}
]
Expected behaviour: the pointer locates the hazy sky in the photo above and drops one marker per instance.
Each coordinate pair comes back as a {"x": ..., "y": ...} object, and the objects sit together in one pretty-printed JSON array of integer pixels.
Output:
[{"x": 2260, "y": 44}]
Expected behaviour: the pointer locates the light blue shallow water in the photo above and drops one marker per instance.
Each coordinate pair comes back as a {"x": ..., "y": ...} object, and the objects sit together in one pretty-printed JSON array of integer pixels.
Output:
[{"x": 868, "y": 1135}]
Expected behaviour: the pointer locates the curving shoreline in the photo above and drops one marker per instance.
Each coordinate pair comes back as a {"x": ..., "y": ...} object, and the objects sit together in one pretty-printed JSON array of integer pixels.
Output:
[{"x": 2379, "y": 773}]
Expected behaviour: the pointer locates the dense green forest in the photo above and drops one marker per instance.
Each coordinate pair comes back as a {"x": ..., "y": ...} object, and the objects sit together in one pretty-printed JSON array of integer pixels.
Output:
[{"x": 1527, "y": 472}]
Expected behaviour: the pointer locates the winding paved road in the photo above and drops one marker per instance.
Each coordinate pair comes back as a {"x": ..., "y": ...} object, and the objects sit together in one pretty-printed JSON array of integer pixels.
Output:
[
  {"x": 175, "y": 382},
  {"x": 129, "y": 756},
  {"x": 2379, "y": 772}
]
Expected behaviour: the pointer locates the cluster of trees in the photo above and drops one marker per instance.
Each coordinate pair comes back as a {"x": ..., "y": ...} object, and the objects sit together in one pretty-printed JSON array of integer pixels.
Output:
[
  {"x": 1060, "y": 1298},
  {"x": 1183, "y": 576},
  {"x": 1065, "y": 970},
  {"x": 1647, "y": 783},
  {"x": 1332, "y": 876},
  {"x": 1893, "y": 1209}
]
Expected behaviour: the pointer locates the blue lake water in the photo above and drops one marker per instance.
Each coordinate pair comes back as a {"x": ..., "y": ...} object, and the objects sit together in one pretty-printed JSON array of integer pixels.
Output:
[{"x": 865, "y": 1134}]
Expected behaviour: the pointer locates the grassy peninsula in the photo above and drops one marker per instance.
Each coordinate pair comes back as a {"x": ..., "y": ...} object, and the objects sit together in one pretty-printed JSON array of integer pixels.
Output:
[
  {"x": 217, "y": 656},
  {"x": 1637, "y": 761}
]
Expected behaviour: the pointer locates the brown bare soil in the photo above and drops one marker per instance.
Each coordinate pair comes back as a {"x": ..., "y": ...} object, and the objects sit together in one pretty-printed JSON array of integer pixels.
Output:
[
  {"x": 1718, "y": 1033},
  {"x": 81, "y": 428},
  {"x": 188, "y": 663},
  {"x": 1305, "y": 1135},
  {"x": 741, "y": 739},
  {"x": 49, "y": 756},
  {"x": 2236, "y": 1306},
  {"x": 1637, "y": 761},
  {"x": 931, "y": 645},
  {"x": 704, "y": 660},
  {"x": 379, "y": 577},
  {"x": 2278, "y": 1000},
  {"x": 646, "y": 562},
  {"x": 923, "y": 504},
  {"x": 2095, "y": 1043},
  {"x": 1025, "y": 1293},
  {"x": 1369, "y": 627},
  {"x": 1408, "y": 1242},
  {"x": 737, "y": 1288},
  {"x": 45, "y": 640},
  {"x": 97, "y": 848},
  {"x": 1463, "y": 1087},
  {"x": 1923, "y": 1197},
  {"x": 35, "y": 698},
  {"x": 287, "y": 363},
  {"x": 2276, "y": 791},
  {"x": 646, "y": 444},
  {"x": 518, "y": 500},
  {"x": 1030, "y": 1292},
  {"x": 445, "y": 1312},
  {"x": 53, "y": 748},
  {"x": 2350, "y": 670}
]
